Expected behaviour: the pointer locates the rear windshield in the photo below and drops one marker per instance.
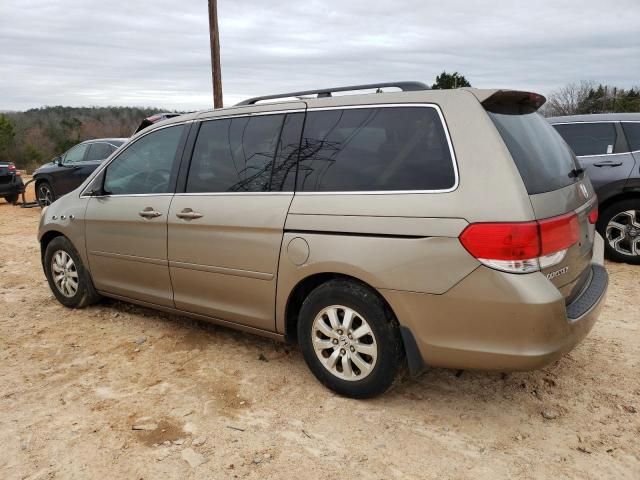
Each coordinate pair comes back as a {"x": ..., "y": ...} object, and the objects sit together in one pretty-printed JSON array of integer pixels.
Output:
[{"x": 543, "y": 158}]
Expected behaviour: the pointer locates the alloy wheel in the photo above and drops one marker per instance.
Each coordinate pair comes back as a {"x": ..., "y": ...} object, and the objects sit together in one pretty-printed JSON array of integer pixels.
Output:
[
  {"x": 344, "y": 343},
  {"x": 623, "y": 232},
  {"x": 45, "y": 195},
  {"x": 64, "y": 273}
]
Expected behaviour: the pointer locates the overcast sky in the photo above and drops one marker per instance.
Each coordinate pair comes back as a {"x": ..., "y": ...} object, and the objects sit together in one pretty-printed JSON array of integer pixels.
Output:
[{"x": 156, "y": 52}]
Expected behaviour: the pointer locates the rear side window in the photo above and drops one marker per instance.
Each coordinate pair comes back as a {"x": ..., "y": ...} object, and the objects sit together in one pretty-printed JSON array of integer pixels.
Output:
[
  {"x": 589, "y": 138},
  {"x": 283, "y": 177},
  {"x": 99, "y": 151},
  {"x": 235, "y": 154},
  {"x": 375, "y": 149},
  {"x": 632, "y": 131},
  {"x": 543, "y": 159}
]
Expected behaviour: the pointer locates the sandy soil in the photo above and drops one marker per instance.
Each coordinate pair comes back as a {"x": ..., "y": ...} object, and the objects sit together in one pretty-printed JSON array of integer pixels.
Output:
[{"x": 117, "y": 391}]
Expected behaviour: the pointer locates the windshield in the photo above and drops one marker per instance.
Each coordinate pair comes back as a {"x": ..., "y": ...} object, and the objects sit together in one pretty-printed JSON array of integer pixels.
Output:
[{"x": 543, "y": 158}]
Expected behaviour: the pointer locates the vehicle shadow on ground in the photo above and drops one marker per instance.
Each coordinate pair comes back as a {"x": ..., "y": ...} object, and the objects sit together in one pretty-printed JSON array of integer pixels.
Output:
[{"x": 470, "y": 388}]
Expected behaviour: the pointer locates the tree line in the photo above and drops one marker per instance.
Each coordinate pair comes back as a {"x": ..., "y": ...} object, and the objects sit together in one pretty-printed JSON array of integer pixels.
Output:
[
  {"x": 35, "y": 136},
  {"x": 587, "y": 97},
  {"x": 573, "y": 99}
]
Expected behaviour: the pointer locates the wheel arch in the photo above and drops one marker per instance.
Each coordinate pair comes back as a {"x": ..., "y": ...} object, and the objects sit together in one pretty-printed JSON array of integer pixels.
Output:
[
  {"x": 44, "y": 179},
  {"x": 305, "y": 286},
  {"x": 620, "y": 197},
  {"x": 39, "y": 180},
  {"x": 46, "y": 239}
]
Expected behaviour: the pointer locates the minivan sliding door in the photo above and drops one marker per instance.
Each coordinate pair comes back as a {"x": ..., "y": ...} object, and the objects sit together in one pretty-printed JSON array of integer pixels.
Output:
[{"x": 226, "y": 229}]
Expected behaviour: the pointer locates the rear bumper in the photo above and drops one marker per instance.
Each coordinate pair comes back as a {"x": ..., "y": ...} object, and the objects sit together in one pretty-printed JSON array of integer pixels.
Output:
[
  {"x": 498, "y": 321},
  {"x": 12, "y": 187}
]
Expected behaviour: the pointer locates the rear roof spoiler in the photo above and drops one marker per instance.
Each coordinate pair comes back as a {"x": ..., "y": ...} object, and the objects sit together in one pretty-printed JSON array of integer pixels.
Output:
[{"x": 509, "y": 101}]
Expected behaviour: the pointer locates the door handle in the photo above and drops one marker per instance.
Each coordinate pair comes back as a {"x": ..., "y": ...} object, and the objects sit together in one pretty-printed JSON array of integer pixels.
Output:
[
  {"x": 608, "y": 163},
  {"x": 188, "y": 214},
  {"x": 149, "y": 213}
]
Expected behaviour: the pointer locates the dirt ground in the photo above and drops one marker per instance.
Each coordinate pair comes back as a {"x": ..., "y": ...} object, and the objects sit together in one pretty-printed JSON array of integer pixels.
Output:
[{"x": 117, "y": 391}]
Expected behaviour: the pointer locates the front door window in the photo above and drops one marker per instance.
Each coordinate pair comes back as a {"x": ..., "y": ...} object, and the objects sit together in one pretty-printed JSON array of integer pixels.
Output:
[
  {"x": 147, "y": 166},
  {"x": 76, "y": 154}
]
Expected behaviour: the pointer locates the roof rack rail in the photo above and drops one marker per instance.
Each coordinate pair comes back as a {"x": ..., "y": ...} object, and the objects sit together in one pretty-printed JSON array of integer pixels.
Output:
[{"x": 326, "y": 92}]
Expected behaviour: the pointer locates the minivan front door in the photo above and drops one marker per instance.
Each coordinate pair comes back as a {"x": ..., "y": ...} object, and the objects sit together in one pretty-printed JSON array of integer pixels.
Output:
[
  {"x": 126, "y": 223},
  {"x": 226, "y": 228}
]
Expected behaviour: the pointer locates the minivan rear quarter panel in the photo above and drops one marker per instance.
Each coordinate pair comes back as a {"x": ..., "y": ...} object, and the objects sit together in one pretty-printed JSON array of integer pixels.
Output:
[{"x": 408, "y": 241}]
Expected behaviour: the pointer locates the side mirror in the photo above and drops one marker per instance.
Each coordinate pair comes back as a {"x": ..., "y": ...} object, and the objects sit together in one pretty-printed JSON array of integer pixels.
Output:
[
  {"x": 58, "y": 161},
  {"x": 96, "y": 188}
]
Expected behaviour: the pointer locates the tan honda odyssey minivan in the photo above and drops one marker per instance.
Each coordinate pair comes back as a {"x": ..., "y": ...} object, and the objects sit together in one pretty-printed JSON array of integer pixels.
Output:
[{"x": 451, "y": 228}]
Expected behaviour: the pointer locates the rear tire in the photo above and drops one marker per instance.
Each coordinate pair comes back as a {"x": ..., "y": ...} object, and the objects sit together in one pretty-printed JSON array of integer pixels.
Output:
[
  {"x": 619, "y": 225},
  {"x": 350, "y": 339},
  {"x": 68, "y": 278},
  {"x": 12, "y": 199},
  {"x": 44, "y": 194}
]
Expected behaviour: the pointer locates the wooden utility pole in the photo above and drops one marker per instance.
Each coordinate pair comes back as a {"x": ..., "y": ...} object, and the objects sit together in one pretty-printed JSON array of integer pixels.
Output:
[{"x": 215, "y": 54}]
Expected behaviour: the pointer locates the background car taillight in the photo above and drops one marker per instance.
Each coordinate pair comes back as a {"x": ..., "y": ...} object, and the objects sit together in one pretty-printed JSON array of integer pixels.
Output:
[
  {"x": 522, "y": 247},
  {"x": 12, "y": 169}
]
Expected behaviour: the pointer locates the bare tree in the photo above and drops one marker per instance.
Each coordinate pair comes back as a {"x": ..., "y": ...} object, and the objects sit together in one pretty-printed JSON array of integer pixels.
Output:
[
  {"x": 567, "y": 100},
  {"x": 215, "y": 54}
]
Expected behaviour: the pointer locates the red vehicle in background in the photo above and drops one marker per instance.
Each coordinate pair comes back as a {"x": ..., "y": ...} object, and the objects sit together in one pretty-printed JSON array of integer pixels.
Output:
[{"x": 158, "y": 117}]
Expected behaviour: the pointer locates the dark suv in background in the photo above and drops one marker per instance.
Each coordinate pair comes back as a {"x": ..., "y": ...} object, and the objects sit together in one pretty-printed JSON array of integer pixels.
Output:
[
  {"x": 608, "y": 148},
  {"x": 66, "y": 172},
  {"x": 10, "y": 182}
]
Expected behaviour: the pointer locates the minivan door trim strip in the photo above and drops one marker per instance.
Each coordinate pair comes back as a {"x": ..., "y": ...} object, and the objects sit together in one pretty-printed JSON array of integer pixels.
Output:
[
  {"x": 221, "y": 270},
  {"x": 355, "y": 234},
  {"x": 133, "y": 258}
]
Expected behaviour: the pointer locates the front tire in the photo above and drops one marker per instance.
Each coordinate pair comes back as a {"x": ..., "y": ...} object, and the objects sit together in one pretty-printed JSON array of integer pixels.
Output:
[
  {"x": 68, "y": 278},
  {"x": 350, "y": 339},
  {"x": 619, "y": 225},
  {"x": 44, "y": 194}
]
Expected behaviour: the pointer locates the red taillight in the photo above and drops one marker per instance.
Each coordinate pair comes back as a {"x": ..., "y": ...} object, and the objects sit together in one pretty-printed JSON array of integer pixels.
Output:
[
  {"x": 558, "y": 233},
  {"x": 12, "y": 167},
  {"x": 521, "y": 243},
  {"x": 593, "y": 215},
  {"x": 502, "y": 241}
]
